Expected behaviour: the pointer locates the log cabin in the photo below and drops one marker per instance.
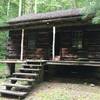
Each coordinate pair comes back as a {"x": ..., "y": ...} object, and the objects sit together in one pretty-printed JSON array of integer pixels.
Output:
[
  {"x": 58, "y": 37},
  {"x": 62, "y": 38}
]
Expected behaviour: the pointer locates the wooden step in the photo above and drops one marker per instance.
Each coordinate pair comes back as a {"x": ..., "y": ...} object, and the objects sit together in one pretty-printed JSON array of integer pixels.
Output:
[
  {"x": 32, "y": 65},
  {"x": 22, "y": 79},
  {"x": 29, "y": 69},
  {"x": 36, "y": 61},
  {"x": 15, "y": 93},
  {"x": 18, "y": 86},
  {"x": 25, "y": 74}
]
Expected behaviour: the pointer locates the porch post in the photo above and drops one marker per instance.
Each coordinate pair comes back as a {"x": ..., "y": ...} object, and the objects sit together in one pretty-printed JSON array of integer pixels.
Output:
[
  {"x": 10, "y": 69},
  {"x": 53, "y": 43},
  {"x": 22, "y": 45}
]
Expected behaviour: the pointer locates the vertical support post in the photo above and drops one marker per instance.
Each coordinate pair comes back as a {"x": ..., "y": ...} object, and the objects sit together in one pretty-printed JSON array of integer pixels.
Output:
[
  {"x": 41, "y": 79},
  {"x": 11, "y": 68},
  {"x": 53, "y": 43},
  {"x": 22, "y": 45}
]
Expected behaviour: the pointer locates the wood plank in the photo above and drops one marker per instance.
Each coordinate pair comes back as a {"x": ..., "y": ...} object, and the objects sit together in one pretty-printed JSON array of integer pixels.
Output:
[
  {"x": 11, "y": 61},
  {"x": 32, "y": 65},
  {"x": 16, "y": 93},
  {"x": 29, "y": 69},
  {"x": 25, "y": 74},
  {"x": 22, "y": 79},
  {"x": 37, "y": 61},
  {"x": 17, "y": 85},
  {"x": 76, "y": 63}
]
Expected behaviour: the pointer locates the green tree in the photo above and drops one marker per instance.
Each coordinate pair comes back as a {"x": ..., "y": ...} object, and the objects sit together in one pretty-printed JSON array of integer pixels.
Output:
[{"x": 93, "y": 8}]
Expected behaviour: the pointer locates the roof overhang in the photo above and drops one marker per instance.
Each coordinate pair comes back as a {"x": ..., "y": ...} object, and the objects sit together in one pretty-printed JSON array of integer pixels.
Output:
[
  {"x": 76, "y": 20},
  {"x": 47, "y": 16},
  {"x": 85, "y": 27}
]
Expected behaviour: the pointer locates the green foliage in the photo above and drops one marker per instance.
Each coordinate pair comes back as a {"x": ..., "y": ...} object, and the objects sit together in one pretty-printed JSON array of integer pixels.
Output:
[
  {"x": 51, "y": 5},
  {"x": 3, "y": 41},
  {"x": 93, "y": 7}
]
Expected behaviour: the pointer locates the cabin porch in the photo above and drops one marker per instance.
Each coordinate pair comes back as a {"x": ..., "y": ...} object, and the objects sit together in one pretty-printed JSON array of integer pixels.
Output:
[
  {"x": 66, "y": 43},
  {"x": 51, "y": 64},
  {"x": 69, "y": 45}
]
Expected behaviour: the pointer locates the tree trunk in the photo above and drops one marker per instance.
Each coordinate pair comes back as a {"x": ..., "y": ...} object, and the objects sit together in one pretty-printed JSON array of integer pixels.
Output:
[
  {"x": 20, "y": 8},
  {"x": 31, "y": 6},
  {"x": 23, "y": 11},
  {"x": 35, "y": 7},
  {"x": 8, "y": 7},
  {"x": 74, "y": 3}
]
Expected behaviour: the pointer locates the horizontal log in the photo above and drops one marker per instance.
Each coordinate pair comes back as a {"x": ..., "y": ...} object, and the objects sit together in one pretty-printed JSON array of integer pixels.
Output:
[
  {"x": 13, "y": 42},
  {"x": 13, "y": 54},
  {"x": 43, "y": 33},
  {"x": 15, "y": 35},
  {"x": 93, "y": 45},
  {"x": 43, "y": 38},
  {"x": 11, "y": 61},
  {"x": 43, "y": 44},
  {"x": 43, "y": 41},
  {"x": 13, "y": 47},
  {"x": 13, "y": 51},
  {"x": 13, "y": 57}
]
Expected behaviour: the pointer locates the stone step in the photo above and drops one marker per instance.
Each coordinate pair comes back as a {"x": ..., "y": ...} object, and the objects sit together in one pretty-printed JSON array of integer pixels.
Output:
[
  {"x": 18, "y": 86},
  {"x": 29, "y": 69},
  {"x": 14, "y": 93},
  {"x": 22, "y": 79},
  {"x": 25, "y": 74}
]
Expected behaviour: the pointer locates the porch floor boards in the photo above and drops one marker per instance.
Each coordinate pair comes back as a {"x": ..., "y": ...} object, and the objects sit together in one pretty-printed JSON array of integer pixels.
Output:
[
  {"x": 74, "y": 63},
  {"x": 51, "y": 62}
]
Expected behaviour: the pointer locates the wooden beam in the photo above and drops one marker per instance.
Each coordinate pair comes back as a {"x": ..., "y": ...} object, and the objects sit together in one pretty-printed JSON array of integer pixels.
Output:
[
  {"x": 75, "y": 18},
  {"x": 53, "y": 43},
  {"x": 6, "y": 61},
  {"x": 11, "y": 68},
  {"x": 22, "y": 45},
  {"x": 74, "y": 63}
]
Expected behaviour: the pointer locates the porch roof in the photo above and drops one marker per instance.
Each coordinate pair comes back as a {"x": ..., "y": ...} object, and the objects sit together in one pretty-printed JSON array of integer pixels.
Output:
[
  {"x": 70, "y": 17},
  {"x": 47, "y": 16}
]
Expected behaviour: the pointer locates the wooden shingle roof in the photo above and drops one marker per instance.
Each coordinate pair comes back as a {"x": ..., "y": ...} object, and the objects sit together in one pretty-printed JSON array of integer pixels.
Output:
[{"x": 47, "y": 16}]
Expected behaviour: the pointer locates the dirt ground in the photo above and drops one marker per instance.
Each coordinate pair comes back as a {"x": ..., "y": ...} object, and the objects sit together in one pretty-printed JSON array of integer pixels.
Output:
[{"x": 65, "y": 89}]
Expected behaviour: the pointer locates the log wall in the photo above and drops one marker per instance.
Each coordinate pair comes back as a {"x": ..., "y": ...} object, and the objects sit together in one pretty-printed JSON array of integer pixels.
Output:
[
  {"x": 93, "y": 45},
  {"x": 39, "y": 42},
  {"x": 90, "y": 42},
  {"x": 13, "y": 45},
  {"x": 33, "y": 40}
]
